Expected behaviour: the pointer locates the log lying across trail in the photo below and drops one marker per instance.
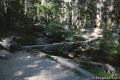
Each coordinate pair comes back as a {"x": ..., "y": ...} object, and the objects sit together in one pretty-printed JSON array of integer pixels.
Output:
[
  {"x": 109, "y": 68},
  {"x": 72, "y": 65},
  {"x": 61, "y": 46}
]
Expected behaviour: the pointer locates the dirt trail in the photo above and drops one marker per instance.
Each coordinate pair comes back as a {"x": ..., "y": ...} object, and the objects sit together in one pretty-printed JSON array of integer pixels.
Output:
[{"x": 25, "y": 66}]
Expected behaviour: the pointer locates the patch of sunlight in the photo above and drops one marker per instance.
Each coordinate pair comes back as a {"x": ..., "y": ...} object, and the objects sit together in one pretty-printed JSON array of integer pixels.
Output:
[
  {"x": 98, "y": 18},
  {"x": 96, "y": 33},
  {"x": 32, "y": 65},
  {"x": 67, "y": 1},
  {"x": 32, "y": 78},
  {"x": 97, "y": 30},
  {"x": 25, "y": 57},
  {"x": 28, "y": 57},
  {"x": 63, "y": 62},
  {"x": 85, "y": 36},
  {"x": 37, "y": 62},
  {"x": 100, "y": 5},
  {"x": 104, "y": 0},
  {"x": 18, "y": 73},
  {"x": 58, "y": 66},
  {"x": 82, "y": 30},
  {"x": 45, "y": 75},
  {"x": 41, "y": 54},
  {"x": 110, "y": 8}
]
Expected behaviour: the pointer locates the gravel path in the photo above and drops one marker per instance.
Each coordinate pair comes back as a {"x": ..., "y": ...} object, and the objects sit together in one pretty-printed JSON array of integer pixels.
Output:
[{"x": 25, "y": 66}]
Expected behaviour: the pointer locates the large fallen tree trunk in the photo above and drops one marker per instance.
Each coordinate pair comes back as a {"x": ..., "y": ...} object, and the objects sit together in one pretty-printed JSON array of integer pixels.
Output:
[
  {"x": 73, "y": 66},
  {"x": 61, "y": 46},
  {"x": 109, "y": 68}
]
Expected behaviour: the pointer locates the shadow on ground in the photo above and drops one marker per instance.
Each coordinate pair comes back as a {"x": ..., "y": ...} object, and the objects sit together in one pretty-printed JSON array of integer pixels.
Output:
[{"x": 25, "y": 66}]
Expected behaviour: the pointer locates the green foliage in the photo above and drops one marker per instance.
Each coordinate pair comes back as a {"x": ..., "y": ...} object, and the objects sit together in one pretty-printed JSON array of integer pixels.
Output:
[
  {"x": 109, "y": 44},
  {"x": 97, "y": 71},
  {"x": 70, "y": 36},
  {"x": 50, "y": 12},
  {"x": 117, "y": 11},
  {"x": 54, "y": 27},
  {"x": 47, "y": 10},
  {"x": 43, "y": 10},
  {"x": 25, "y": 40}
]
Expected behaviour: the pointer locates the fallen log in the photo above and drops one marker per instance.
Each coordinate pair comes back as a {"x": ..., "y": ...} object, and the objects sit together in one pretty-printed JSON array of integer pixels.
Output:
[
  {"x": 68, "y": 63},
  {"x": 61, "y": 46},
  {"x": 72, "y": 65},
  {"x": 109, "y": 68}
]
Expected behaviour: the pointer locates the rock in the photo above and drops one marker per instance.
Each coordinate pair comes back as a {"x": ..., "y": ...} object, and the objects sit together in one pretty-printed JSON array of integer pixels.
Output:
[{"x": 8, "y": 43}]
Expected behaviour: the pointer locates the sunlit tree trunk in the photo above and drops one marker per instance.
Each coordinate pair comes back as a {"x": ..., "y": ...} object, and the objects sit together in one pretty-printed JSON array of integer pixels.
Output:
[
  {"x": 108, "y": 19},
  {"x": 25, "y": 7},
  {"x": 43, "y": 2},
  {"x": 75, "y": 14},
  {"x": 99, "y": 4},
  {"x": 67, "y": 13},
  {"x": 110, "y": 15}
]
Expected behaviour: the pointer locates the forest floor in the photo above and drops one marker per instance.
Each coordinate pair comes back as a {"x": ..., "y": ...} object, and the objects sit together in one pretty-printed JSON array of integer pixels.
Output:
[{"x": 24, "y": 65}]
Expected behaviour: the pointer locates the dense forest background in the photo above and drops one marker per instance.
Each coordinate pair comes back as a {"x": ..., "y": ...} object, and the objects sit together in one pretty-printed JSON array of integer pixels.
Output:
[
  {"x": 56, "y": 16},
  {"x": 56, "y": 21}
]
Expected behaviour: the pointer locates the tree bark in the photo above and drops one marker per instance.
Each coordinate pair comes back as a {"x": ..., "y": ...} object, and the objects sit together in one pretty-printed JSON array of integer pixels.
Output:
[
  {"x": 98, "y": 13},
  {"x": 73, "y": 66},
  {"x": 61, "y": 46},
  {"x": 109, "y": 68}
]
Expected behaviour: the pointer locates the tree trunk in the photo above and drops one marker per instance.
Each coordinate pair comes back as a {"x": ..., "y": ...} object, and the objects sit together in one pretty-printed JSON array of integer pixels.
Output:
[
  {"x": 110, "y": 11},
  {"x": 99, "y": 4},
  {"x": 107, "y": 67},
  {"x": 60, "y": 47},
  {"x": 25, "y": 7}
]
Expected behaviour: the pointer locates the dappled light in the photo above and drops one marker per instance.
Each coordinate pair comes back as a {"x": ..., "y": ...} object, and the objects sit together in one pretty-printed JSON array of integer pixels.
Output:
[
  {"x": 18, "y": 73},
  {"x": 59, "y": 39},
  {"x": 67, "y": 1},
  {"x": 35, "y": 68}
]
